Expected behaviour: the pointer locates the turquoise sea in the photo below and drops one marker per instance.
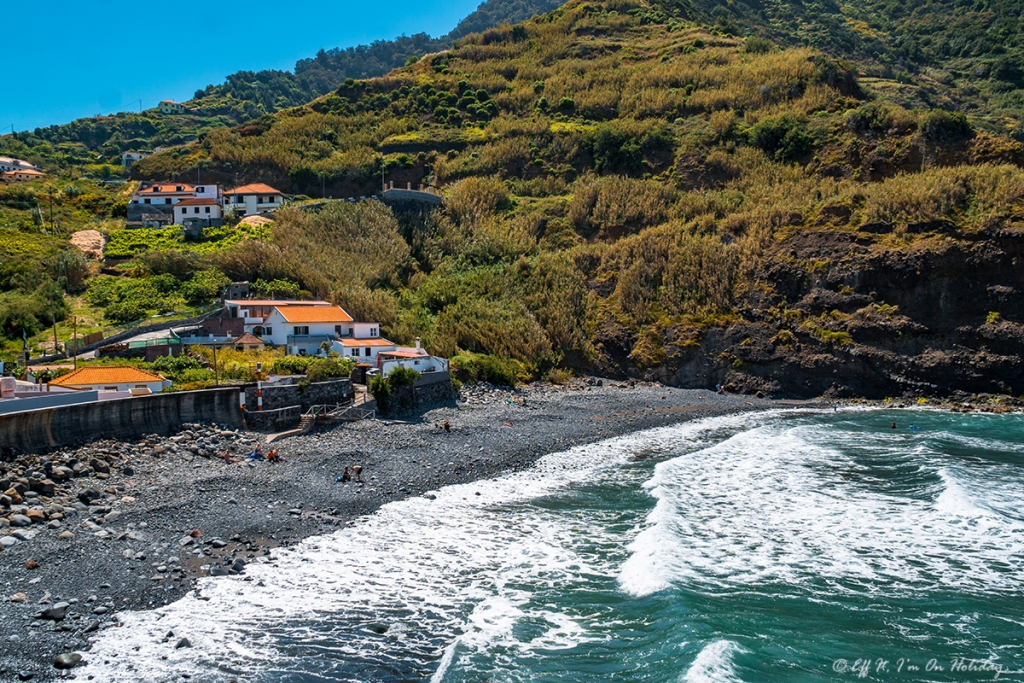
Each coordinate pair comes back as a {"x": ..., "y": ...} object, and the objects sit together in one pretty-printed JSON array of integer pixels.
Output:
[{"x": 777, "y": 546}]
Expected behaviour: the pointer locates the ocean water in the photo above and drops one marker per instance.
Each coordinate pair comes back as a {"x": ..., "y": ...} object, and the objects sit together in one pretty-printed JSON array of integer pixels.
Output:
[{"x": 777, "y": 546}]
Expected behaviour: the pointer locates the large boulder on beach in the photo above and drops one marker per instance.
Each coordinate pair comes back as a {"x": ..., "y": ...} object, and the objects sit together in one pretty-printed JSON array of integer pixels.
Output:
[
  {"x": 89, "y": 495},
  {"x": 67, "y": 660},
  {"x": 56, "y": 612},
  {"x": 20, "y": 520}
]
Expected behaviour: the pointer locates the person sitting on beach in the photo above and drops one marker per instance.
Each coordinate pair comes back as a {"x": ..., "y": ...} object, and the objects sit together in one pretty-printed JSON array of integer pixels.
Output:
[
  {"x": 357, "y": 472},
  {"x": 447, "y": 427},
  {"x": 226, "y": 456},
  {"x": 272, "y": 456},
  {"x": 256, "y": 454}
]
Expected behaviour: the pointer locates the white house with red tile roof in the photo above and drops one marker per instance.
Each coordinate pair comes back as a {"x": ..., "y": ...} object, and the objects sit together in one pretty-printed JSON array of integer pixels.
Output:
[
  {"x": 362, "y": 350},
  {"x": 202, "y": 210},
  {"x": 302, "y": 329},
  {"x": 249, "y": 200},
  {"x": 254, "y": 312},
  {"x": 111, "y": 378},
  {"x": 411, "y": 357}
]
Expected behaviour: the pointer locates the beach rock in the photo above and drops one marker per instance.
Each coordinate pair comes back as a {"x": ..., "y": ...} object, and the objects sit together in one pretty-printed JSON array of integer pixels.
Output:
[
  {"x": 44, "y": 487},
  {"x": 184, "y": 642},
  {"x": 20, "y": 520},
  {"x": 7, "y": 541},
  {"x": 65, "y": 535},
  {"x": 218, "y": 571},
  {"x": 26, "y": 675},
  {"x": 55, "y": 613},
  {"x": 5, "y": 501},
  {"x": 186, "y": 541},
  {"x": 99, "y": 466},
  {"x": 67, "y": 660},
  {"x": 18, "y": 597},
  {"x": 217, "y": 543},
  {"x": 37, "y": 516},
  {"x": 89, "y": 495},
  {"x": 32, "y": 564}
]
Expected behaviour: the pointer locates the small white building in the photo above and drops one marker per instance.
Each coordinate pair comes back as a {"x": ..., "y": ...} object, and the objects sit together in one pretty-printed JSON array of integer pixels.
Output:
[
  {"x": 302, "y": 329},
  {"x": 171, "y": 107},
  {"x": 362, "y": 350},
  {"x": 112, "y": 378},
  {"x": 252, "y": 199},
  {"x": 128, "y": 159},
  {"x": 202, "y": 210},
  {"x": 12, "y": 164},
  {"x": 414, "y": 358}
]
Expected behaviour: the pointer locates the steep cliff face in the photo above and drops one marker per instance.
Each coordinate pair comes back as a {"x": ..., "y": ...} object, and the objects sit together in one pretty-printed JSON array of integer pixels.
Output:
[{"x": 838, "y": 314}]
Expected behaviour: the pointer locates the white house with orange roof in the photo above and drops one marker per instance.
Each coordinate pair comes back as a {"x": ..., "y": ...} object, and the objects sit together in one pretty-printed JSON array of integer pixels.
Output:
[
  {"x": 254, "y": 312},
  {"x": 112, "y": 378},
  {"x": 303, "y": 329},
  {"x": 249, "y": 200},
  {"x": 203, "y": 211},
  {"x": 153, "y": 204}
]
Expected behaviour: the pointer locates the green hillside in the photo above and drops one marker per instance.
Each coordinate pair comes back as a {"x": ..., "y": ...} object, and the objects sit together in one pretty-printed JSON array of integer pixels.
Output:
[
  {"x": 94, "y": 144},
  {"x": 633, "y": 192}
]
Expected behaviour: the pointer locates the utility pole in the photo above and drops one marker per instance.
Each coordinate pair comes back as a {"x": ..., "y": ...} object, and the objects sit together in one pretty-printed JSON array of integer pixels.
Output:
[
  {"x": 53, "y": 319},
  {"x": 323, "y": 187},
  {"x": 216, "y": 370},
  {"x": 74, "y": 319}
]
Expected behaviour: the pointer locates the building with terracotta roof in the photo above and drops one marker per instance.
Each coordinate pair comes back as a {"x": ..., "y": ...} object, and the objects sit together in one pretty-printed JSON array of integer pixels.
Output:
[
  {"x": 24, "y": 175},
  {"x": 111, "y": 378},
  {"x": 254, "y": 312},
  {"x": 248, "y": 200},
  {"x": 247, "y": 342},
  {"x": 153, "y": 204},
  {"x": 201, "y": 211},
  {"x": 12, "y": 164},
  {"x": 303, "y": 330},
  {"x": 171, "y": 107},
  {"x": 363, "y": 350}
]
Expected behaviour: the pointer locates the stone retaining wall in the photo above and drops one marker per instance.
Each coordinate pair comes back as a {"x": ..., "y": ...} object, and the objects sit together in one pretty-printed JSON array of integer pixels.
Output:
[
  {"x": 318, "y": 393},
  {"x": 278, "y": 420},
  {"x": 128, "y": 418}
]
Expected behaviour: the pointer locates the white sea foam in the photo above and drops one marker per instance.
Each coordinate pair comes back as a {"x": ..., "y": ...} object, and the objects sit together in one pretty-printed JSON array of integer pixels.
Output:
[
  {"x": 449, "y": 577},
  {"x": 777, "y": 504},
  {"x": 714, "y": 664}
]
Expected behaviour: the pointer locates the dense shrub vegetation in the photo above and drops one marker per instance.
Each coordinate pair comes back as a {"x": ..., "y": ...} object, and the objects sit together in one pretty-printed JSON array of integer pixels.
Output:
[{"x": 615, "y": 176}]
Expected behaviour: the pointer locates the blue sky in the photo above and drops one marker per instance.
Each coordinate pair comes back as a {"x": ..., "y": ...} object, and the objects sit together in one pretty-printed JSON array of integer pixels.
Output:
[{"x": 72, "y": 59}]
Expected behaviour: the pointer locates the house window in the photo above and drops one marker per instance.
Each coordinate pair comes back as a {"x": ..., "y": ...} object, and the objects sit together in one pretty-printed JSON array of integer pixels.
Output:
[
  {"x": 270, "y": 331},
  {"x": 207, "y": 209},
  {"x": 301, "y": 329},
  {"x": 147, "y": 201},
  {"x": 373, "y": 331},
  {"x": 337, "y": 329},
  {"x": 367, "y": 351},
  {"x": 197, "y": 210},
  {"x": 200, "y": 189},
  {"x": 140, "y": 386},
  {"x": 355, "y": 352},
  {"x": 109, "y": 388}
]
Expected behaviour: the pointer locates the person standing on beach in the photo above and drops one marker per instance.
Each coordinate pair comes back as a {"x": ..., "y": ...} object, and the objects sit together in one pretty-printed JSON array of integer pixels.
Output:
[{"x": 357, "y": 470}]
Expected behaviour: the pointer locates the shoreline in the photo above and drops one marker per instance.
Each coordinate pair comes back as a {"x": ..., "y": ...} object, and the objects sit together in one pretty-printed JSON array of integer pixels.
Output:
[{"x": 170, "y": 512}]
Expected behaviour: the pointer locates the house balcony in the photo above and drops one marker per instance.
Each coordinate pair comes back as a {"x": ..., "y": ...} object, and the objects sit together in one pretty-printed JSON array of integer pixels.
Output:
[{"x": 311, "y": 338}]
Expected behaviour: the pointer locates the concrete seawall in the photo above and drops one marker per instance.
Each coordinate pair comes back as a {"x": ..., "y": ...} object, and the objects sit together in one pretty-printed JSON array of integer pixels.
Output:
[{"x": 129, "y": 418}]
